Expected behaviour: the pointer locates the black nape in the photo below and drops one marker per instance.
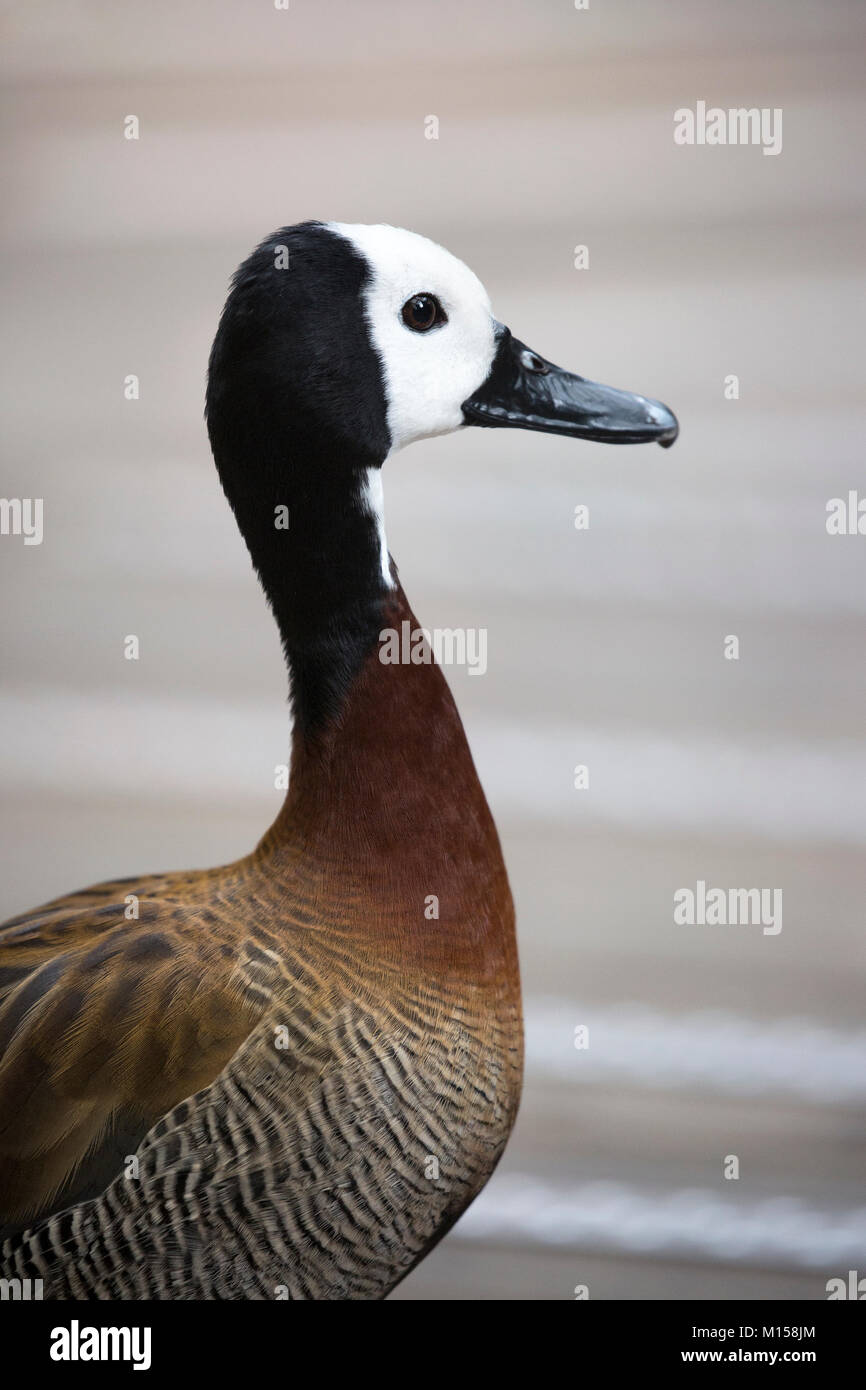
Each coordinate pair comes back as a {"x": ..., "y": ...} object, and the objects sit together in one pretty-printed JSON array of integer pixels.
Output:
[{"x": 297, "y": 415}]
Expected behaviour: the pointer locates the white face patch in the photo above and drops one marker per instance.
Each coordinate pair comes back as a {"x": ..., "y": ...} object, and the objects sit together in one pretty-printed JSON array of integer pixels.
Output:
[{"x": 427, "y": 376}]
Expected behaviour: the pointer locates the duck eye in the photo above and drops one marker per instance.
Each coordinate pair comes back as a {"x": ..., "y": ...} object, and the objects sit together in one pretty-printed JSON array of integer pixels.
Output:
[{"x": 423, "y": 312}]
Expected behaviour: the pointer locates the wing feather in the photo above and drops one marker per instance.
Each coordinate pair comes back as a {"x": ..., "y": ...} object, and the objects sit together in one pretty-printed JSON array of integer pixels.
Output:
[{"x": 105, "y": 1025}]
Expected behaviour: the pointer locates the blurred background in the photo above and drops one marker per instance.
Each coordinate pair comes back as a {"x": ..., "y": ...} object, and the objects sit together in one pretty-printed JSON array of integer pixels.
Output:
[{"x": 605, "y": 646}]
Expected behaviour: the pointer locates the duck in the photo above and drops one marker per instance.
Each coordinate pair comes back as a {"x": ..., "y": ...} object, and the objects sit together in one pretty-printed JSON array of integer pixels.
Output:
[{"x": 288, "y": 1077}]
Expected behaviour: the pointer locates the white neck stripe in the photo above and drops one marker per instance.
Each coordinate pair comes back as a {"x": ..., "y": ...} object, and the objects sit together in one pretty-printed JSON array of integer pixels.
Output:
[{"x": 373, "y": 500}]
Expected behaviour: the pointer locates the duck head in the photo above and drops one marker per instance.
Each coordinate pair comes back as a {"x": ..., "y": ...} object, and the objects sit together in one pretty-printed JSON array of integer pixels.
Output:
[
  {"x": 447, "y": 362},
  {"x": 339, "y": 345}
]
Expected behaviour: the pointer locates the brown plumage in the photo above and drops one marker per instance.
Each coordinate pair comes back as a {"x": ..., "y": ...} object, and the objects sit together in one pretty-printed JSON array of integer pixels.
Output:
[{"x": 379, "y": 1111}]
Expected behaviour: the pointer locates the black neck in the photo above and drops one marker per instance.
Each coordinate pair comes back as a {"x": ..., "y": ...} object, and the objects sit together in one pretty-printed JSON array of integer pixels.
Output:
[
  {"x": 323, "y": 579},
  {"x": 316, "y": 548},
  {"x": 297, "y": 418}
]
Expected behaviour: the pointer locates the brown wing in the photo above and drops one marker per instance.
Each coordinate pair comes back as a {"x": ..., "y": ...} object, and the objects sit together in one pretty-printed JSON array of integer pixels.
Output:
[{"x": 105, "y": 1024}]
